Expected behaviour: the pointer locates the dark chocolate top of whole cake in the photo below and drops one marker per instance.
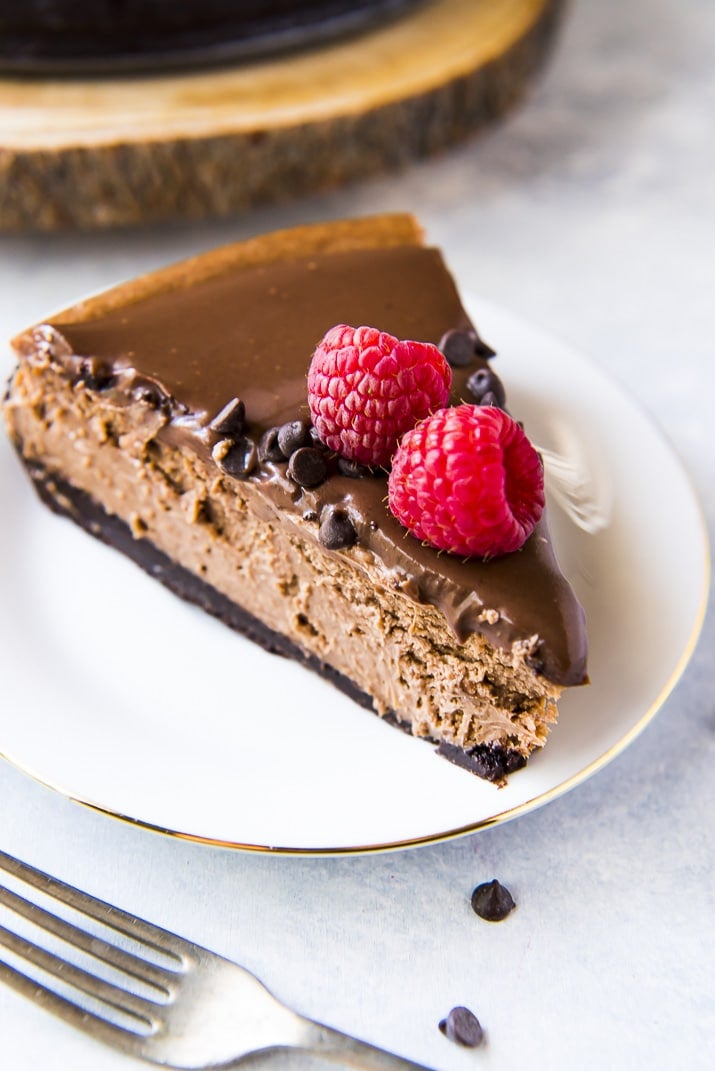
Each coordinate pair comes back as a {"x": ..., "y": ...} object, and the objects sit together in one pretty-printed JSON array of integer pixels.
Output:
[
  {"x": 100, "y": 36},
  {"x": 249, "y": 333}
]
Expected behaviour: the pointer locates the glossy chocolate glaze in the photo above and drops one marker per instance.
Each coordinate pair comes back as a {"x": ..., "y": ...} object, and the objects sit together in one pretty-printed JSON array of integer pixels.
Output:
[{"x": 250, "y": 333}]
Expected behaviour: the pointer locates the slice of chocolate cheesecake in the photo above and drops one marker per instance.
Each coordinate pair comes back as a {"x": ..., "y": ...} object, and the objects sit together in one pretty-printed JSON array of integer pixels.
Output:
[{"x": 169, "y": 417}]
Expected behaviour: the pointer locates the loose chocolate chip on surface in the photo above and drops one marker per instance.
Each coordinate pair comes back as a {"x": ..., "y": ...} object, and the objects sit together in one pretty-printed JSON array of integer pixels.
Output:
[
  {"x": 492, "y": 901},
  {"x": 307, "y": 467},
  {"x": 486, "y": 388},
  {"x": 231, "y": 420},
  {"x": 237, "y": 457},
  {"x": 268, "y": 448},
  {"x": 462, "y": 1026},
  {"x": 293, "y": 436},
  {"x": 353, "y": 469},
  {"x": 336, "y": 529}
]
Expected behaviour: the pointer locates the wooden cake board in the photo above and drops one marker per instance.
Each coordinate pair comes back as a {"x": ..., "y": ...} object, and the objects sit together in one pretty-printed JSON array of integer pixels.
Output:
[{"x": 93, "y": 152}]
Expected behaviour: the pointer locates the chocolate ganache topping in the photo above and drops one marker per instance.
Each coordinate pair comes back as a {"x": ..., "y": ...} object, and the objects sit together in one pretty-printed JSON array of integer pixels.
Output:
[{"x": 236, "y": 347}]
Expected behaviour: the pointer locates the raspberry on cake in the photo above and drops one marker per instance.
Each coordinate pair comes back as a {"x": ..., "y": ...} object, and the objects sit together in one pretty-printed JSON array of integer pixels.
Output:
[
  {"x": 467, "y": 480},
  {"x": 366, "y": 388},
  {"x": 209, "y": 475}
]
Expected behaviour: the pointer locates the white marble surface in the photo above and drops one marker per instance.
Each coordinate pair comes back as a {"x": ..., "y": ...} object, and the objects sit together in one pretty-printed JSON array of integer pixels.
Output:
[{"x": 591, "y": 211}]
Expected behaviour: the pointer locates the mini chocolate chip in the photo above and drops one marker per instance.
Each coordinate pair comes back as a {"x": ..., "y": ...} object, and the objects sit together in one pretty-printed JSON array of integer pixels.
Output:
[
  {"x": 95, "y": 374},
  {"x": 315, "y": 439},
  {"x": 336, "y": 528},
  {"x": 462, "y": 1026},
  {"x": 310, "y": 515},
  {"x": 353, "y": 469},
  {"x": 307, "y": 467},
  {"x": 486, "y": 388},
  {"x": 458, "y": 347},
  {"x": 293, "y": 436},
  {"x": 98, "y": 383},
  {"x": 492, "y": 901},
  {"x": 231, "y": 420},
  {"x": 237, "y": 457},
  {"x": 149, "y": 395},
  {"x": 268, "y": 448}
]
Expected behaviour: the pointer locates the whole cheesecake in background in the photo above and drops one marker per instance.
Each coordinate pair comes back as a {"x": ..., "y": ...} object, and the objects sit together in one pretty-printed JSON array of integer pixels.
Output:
[
  {"x": 68, "y": 36},
  {"x": 165, "y": 416}
]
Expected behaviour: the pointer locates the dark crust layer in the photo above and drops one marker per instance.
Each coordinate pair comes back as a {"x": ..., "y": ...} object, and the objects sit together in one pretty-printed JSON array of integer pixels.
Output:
[{"x": 489, "y": 761}]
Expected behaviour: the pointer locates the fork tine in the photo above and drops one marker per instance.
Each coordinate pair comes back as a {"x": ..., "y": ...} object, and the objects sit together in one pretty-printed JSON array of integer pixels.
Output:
[
  {"x": 113, "y": 917},
  {"x": 139, "y": 930},
  {"x": 88, "y": 983},
  {"x": 84, "y": 1020},
  {"x": 108, "y": 953}
]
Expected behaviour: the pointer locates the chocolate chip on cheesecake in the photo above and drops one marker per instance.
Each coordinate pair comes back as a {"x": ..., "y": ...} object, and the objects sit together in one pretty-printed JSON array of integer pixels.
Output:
[
  {"x": 486, "y": 388},
  {"x": 461, "y": 346},
  {"x": 458, "y": 347},
  {"x": 268, "y": 448},
  {"x": 307, "y": 467},
  {"x": 148, "y": 394},
  {"x": 336, "y": 529},
  {"x": 236, "y": 457},
  {"x": 293, "y": 436},
  {"x": 95, "y": 374},
  {"x": 230, "y": 422}
]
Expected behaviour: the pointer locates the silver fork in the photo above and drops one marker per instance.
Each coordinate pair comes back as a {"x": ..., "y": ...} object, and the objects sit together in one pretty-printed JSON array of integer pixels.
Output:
[{"x": 205, "y": 1011}]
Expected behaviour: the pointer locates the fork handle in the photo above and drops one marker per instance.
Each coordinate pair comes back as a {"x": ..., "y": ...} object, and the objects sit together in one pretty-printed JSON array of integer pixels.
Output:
[{"x": 331, "y": 1044}]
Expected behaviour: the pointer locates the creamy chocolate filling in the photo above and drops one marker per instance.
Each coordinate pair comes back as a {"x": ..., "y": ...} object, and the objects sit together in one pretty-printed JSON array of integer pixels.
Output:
[{"x": 249, "y": 333}]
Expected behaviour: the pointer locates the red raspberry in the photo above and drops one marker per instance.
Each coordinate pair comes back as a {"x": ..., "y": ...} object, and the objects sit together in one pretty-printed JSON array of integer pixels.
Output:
[
  {"x": 366, "y": 388},
  {"x": 468, "y": 480}
]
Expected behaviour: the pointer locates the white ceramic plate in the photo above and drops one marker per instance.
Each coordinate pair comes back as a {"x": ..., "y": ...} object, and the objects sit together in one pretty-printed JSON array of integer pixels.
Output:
[{"x": 122, "y": 697}]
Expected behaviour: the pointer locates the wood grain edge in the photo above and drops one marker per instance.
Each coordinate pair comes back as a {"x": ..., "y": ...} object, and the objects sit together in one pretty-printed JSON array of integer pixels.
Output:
[{"x": 193, "y": 178}]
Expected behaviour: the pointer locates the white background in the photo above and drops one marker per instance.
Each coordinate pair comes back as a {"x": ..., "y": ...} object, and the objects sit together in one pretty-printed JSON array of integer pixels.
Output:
[{"x": 590, "y": 212}]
